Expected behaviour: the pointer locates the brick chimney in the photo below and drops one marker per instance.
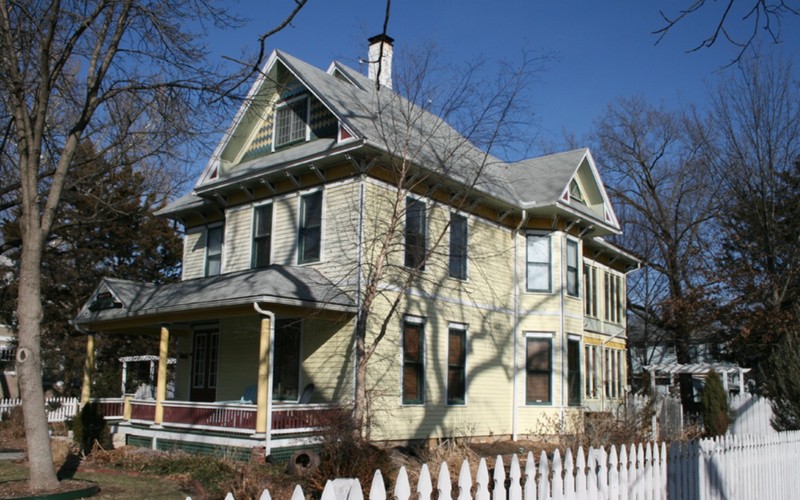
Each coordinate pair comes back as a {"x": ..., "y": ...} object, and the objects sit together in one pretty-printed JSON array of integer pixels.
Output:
[{"x": 382, "y": 61}]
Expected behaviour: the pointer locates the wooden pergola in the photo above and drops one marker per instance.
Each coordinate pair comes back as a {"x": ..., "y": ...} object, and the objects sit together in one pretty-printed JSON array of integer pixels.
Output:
[{"x": 671, "y": 369}]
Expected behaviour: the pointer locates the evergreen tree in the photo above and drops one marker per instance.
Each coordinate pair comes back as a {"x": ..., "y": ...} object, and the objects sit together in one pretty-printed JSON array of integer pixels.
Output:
[
  {"x": 105, "y": 227},
  {"x": 715, "y": 410}
]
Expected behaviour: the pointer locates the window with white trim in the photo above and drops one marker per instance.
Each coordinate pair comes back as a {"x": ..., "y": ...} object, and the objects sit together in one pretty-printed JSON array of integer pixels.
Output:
[
  {"x": 413, "y": 361},
  {"x": 214, "y": 239},
  {"x": 614, "y": 298},
  {"x": 309, "y": 238},
  {"x": 456, "y": 364},
  {"x": 573, "y": 287},
  {"x": 538, "y": 370},
  {"x": 415, "y": 233},
  {"x": 262, "y": 235},
  {"x": 538, "y": 277},
  {"x": 458, "y": 246},
  {"x": 291, "y": 122},
  {"x": 590, "y": 290}
]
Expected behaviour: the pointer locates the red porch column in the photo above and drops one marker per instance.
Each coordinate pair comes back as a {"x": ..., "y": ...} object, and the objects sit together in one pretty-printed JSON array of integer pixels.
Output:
[{"x": 161, "y": 384}]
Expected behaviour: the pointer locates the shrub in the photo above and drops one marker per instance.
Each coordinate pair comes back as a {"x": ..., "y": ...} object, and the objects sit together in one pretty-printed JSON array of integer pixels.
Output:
[
  {"x": 715, "y": 410},
  {"x": 89, "y": 426},
  {"x": 344, "y": 453}
]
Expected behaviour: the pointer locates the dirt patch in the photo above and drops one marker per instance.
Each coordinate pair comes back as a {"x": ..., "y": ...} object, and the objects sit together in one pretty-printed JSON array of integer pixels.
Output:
[{"x": 21, "y": 489}]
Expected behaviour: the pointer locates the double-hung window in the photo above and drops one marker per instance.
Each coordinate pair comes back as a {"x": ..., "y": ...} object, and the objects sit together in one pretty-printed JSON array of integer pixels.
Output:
[
  {"x": 262, "y": 235},
  {"x": 413, "y": 361},
  {"x": 538, "y": 273},
  {"x": 309, "y": 239},
  {"x": 574, "y": 372},
  {"x": 415, "y": 233},
  {"x": 590, "y": 290},
  {"x": 458, "y": 246},
  {"x": 291, "y": 121},
  {"x": 456, "y": 365},
  {"x": 214, "y": 239},
  {"x": 539, "y": 370},
  {"x": 572, "y": 268},
  {"x": 614, "y": 298}
]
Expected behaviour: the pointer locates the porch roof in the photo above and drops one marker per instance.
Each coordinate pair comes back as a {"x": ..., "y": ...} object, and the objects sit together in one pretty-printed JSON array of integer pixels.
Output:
[{"x": 285, "y": 285}]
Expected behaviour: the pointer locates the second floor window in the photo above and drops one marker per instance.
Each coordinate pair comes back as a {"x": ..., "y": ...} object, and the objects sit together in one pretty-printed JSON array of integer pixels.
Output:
[
  {"x": 613, "y": 298},
  {"x": 214, "y": 237},
  {"x": 538, "y": 263},
  {"x": 458, "y": 246},
  {"x": 572, "y": 268},
  {"x": 415, "y": 233},
  {"x": 262, "y": 235},
  {"x": 590, "y": 290},
  {"x": 290, "y": 122},
  {"x": 309, "y": 239}
]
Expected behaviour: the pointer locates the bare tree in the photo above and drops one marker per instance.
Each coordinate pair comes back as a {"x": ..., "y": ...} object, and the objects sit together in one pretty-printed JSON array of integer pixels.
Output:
[
  {"x": 756, "y": 140},
  {"x": 658, "y": 175},
  {"x": 128, "y": 74},
  {"x": 437, "y": 133},
  {"x": 738, "y": 23}
]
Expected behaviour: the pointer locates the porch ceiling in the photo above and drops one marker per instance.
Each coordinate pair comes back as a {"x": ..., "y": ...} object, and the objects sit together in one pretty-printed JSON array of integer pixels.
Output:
[{"x": 137, "y": 302}]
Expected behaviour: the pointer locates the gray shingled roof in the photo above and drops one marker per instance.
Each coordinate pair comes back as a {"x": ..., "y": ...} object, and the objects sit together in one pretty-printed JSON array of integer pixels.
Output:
[
  {"x": 542, "y": 180},
  {"x": 288, "y": 285}
]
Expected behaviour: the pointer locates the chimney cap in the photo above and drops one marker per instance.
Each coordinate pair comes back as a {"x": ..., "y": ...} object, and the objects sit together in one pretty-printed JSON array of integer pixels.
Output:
[{"x": 380, "y": 38}]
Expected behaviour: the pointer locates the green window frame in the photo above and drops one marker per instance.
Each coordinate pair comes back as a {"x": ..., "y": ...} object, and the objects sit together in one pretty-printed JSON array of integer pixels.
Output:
[
  {"x": 539, "y": 370},
  {"x": 573, "y": 284},
  {"x": 309, "y": 238},
  {"x": 538, "y": 273},
  {"x": 215, "y": 238},
  {"x": 262, "y": 235},
  {"x": 456, "y": 365}
]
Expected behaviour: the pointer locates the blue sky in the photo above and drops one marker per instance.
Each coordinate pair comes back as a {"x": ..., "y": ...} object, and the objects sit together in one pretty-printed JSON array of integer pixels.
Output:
[{"x": 604, "y": 49}]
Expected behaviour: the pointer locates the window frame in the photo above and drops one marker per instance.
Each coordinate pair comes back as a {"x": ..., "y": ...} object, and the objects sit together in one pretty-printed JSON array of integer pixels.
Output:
[
  {"x": 217, "y": 254},
  {"x": 418, "y": 364},
  {"x": 255, "y": 238},
  {"x": 414, "y": 257},
  {"x": 303, "y": 228},
  {"x": 539, "y": 337},
  {"x": 458, "y": 255},
  {"x": 459, "y": 329},
  {"x": 573, "y": 270},
  {"x": 548, "y": 265},
  {"x": 590, "y": 290},
  {"x": 282, "y": 324},
  {"x": 574, "y": 375},
  {"x": 282, "y": 107}
]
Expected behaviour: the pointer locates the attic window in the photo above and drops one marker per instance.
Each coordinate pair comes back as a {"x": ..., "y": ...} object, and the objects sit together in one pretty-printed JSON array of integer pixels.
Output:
[
  {"x": 291, "y": 122},
  {"x": 575, "y": 193}
]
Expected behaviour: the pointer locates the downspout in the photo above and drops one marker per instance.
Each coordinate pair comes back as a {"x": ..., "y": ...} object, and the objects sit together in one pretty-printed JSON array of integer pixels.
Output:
[
  {"x": 359, "y": 270},
  {"x": 268, "y": 432},
  {"x": 516, "y": 333}
]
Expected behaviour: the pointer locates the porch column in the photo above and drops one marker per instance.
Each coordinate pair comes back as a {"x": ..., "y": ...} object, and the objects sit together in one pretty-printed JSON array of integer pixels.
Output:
[
  {"x": 88, "y": 369},
  {"x": 264, "y": 400},
  {"x": 161, "y": 386}
]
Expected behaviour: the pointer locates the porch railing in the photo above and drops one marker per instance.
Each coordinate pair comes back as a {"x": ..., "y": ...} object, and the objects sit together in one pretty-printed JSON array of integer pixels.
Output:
[{"x": 223, "y": 417}]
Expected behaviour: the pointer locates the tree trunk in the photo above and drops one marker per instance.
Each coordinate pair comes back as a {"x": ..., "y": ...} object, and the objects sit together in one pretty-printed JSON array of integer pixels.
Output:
[{"x": 29, "y": 364}]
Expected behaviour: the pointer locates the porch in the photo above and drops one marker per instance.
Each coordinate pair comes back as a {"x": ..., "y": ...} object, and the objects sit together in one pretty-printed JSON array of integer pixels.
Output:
[{"x": 199, "y": 426}]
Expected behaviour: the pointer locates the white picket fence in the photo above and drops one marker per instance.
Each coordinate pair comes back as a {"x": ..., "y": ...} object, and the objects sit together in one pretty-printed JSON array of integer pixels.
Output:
[
  {"x": 710, "y": 469},
  {"x": 58, "y": 409},
  {"x": 752, "y": 415}
]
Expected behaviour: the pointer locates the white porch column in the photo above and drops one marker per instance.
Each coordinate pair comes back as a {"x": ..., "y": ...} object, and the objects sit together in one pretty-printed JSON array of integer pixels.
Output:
[
  {"x": 161, "y": 386},
  {"x": 88, "y": 370}
]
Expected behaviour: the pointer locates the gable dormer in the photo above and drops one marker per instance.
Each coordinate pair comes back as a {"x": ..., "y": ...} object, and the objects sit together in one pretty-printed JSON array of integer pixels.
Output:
[{"x": 585, "y": 192}]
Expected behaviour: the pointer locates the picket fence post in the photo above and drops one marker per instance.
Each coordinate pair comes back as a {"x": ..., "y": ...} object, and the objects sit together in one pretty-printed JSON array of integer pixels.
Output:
[
  {"x": 443, "y": 485},
  {"x": 464, "y": 482},
  {"x": 530, "y": 478},
  {"x": 482, "y": 481}
]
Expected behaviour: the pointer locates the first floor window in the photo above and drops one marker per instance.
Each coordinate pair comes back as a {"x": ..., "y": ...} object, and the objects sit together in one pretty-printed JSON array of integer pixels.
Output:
[
  {"x": 286, "y": 371},
  {"x": 456, "y": 365},
  {"x": 214, "y": 238},
  {"x": 572, "y": 268},
  {"x": 413, "y": 362},
  {"x": 415, "y": 233},
  {"x": 592, "y": 372},
  {"x": 309, "y": 239},
  {"x": 262, "y": 235},
  {"x": 574, "y": 372},
  {"x": 458, "y": 246},
  {"x": 539, "y": 371},
  {"x": 538, "y": 270}
]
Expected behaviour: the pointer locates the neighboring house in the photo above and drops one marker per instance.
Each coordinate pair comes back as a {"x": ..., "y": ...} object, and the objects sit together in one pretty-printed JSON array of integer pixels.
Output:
[
  {"x": 9, "y": 386},
  {"x": 515, "y": 318}
]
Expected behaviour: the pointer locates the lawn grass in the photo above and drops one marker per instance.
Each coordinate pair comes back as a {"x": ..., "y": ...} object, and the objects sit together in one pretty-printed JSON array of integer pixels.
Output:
[{"x": 113, "y": 485}]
